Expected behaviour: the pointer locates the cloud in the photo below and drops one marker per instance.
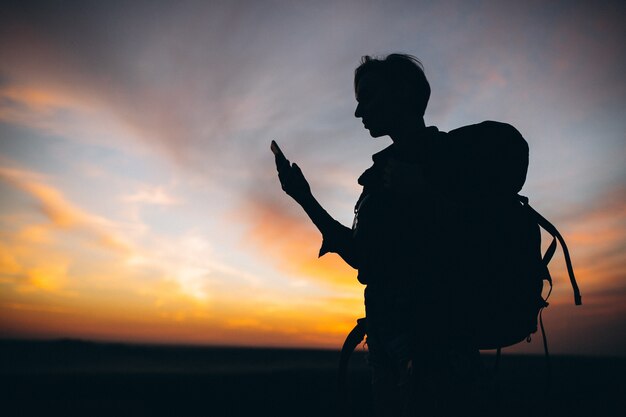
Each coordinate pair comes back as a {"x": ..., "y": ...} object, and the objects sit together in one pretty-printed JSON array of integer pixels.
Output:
[
  {"x": 176, "y": 109},
  {"x": 28, "y": 266},
  {"x": 202, "y": 88},
  {"x": 65, "y": 221},
  {"x": 596, "y": 233},
  {"x": 152, "y": 195},
  {"x": 49, "y": 277},
  {"x": 289, "y": 242},
  {"x": 63, "y": 111},
  {"x": 34, "y": 257},
  {"x": 186, "y": 260},
  {"x": 61, "y": 213}
]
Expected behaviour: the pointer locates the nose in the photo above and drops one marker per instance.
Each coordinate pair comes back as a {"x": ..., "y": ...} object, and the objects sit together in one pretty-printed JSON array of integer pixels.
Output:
[{"x": 358, "y": 112}]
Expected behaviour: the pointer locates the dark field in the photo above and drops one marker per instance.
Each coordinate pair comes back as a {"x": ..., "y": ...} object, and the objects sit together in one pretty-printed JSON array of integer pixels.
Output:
[{"x": 70, "y": 378}]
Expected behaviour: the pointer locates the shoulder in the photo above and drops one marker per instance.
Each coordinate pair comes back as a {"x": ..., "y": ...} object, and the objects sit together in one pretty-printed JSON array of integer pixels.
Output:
[
  {"x": 487, "y": 125},
  {"x": 488, "y": 131}
]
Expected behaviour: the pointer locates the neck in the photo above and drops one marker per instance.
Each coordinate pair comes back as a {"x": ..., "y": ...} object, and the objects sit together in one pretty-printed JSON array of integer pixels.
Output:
[{"x": 407, "y": 136}]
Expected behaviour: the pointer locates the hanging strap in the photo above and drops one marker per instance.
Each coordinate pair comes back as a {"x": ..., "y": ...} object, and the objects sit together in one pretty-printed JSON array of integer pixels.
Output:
[
  {"x": 549, "y": 227},
  {"x": 496, "y": 367},
  {"x": 547, "y": 257},
  {"x": 355, "y": 337},
  {"x": 548, "y": 379}
]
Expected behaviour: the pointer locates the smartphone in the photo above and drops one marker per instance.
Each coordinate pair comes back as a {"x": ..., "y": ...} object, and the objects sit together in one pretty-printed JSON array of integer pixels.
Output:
[{"x": 280, "y": 156}]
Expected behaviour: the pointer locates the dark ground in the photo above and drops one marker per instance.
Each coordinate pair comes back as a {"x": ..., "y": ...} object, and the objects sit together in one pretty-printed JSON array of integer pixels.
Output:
[{"x": 71, "y": 378}]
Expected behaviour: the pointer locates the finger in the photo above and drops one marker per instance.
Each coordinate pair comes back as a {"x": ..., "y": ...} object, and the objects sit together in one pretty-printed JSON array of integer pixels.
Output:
[{"x": 282, "y": 166}]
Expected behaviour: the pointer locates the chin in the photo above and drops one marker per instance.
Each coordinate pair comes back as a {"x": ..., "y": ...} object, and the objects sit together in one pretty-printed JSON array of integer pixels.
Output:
[{"x": 376, "y": 133}]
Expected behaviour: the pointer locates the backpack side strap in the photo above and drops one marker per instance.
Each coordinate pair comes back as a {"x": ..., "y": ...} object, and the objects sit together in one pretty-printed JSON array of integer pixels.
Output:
[
  {"x": 549, "y": 227},
  {"x": 354, "y": 338}
]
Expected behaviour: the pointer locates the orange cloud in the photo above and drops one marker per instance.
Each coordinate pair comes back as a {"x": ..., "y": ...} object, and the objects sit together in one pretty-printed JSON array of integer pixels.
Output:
[
  {"x": 43, "y": 100},
  {"x": 60, "y": 212},
  {"x": 292, "y": 244},
  {"x": 46, "y": 107},
  {"x": 48, "y": 277},
  {"x": 596, "y": 237},
  {"x": 8, "y": 264}
]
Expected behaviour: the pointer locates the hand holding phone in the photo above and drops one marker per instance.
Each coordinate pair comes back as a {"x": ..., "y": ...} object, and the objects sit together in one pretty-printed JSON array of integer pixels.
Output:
[{"x": 291, "y": 178}]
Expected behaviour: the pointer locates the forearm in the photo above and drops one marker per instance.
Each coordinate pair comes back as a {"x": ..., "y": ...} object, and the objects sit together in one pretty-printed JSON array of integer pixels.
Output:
[
  {"x": 320, "y": 217},
  {"x": 337, "y": 237}
]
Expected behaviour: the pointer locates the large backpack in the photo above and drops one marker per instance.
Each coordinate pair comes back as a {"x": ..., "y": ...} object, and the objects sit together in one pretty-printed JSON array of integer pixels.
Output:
[
  {"x": 503, "y": 260},
  {"x": 500, "y": 233}
]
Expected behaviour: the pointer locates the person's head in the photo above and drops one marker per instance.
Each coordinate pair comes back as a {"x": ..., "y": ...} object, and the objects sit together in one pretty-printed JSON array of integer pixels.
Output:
[{"x": 392, "y": 93}]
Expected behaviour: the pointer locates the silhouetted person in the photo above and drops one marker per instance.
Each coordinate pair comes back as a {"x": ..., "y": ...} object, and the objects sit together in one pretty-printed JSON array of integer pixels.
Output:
[{"x": 421, "y": 353}]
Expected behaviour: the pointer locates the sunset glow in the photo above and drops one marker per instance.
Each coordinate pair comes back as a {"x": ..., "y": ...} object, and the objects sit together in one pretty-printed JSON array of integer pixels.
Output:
[{"x": 139, "y": 196}]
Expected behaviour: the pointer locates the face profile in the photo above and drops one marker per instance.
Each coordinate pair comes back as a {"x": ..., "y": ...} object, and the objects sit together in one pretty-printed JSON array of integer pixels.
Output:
[{"x": 373, "y": 108}]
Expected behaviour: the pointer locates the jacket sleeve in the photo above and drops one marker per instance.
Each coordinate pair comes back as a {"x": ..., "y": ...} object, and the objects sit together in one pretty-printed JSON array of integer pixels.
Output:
[{"x": 339, "y": 239}]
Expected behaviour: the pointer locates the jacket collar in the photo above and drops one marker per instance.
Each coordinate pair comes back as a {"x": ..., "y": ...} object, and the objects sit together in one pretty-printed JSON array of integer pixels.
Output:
[{"x": 419, "y": 151}]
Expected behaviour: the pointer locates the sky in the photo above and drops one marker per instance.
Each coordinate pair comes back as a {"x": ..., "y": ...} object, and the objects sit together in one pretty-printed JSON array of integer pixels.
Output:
[{"x": 139, "y": 200}]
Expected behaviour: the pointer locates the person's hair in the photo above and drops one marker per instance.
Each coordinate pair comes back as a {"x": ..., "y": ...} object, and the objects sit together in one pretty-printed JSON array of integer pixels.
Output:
[{"x": 403, "y": 73}]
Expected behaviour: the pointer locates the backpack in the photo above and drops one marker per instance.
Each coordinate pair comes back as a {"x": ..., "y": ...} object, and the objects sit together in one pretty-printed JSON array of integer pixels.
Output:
[
  {"x": 500, "y": 233},
  {"x": 504, "y": 262}
]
